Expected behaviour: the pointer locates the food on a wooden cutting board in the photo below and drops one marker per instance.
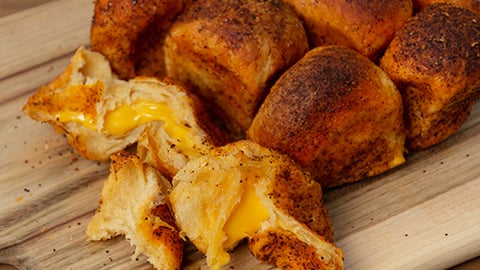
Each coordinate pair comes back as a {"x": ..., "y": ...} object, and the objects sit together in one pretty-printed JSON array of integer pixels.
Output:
[
  {"x": 229, "y": 52},
  {"x": 435, "y": 61},
  {"x": 472, "y": 5},
  {"x": 132, "y": 196},
  {"x": 134, "y": 203},
  {"x": 337, "y": 114},
  {"x": 101, "y": 114},
  {"x": 334, "y": 113},
  {"x": 364, "y": 25},
  {"x": 131, "y": 33},
  {"x": 243, "y": 190}
]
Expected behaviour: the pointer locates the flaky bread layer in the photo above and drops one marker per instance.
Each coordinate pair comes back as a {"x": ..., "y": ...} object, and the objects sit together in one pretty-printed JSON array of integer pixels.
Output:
[{"x": 134, "y": 203}]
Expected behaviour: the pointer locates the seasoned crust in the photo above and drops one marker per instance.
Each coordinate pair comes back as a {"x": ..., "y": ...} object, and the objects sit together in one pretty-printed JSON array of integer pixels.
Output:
[
  {"x": 284, "y": 250},
  {"x": 298, "y": 197},
  {"x": 229, "y": 52},
  {"x": 434, "y": 61},
  {"x": 364, "y": 25},
  {"x": 131, "y": 33},
  {"x": 209, "y": 189},
  {"x": 336, "y": 114}
]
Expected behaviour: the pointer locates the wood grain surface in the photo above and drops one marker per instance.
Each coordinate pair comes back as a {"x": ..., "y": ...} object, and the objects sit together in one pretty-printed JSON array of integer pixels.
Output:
[
  {"x": 423, "y": 215},
  {"x": 8, "y": 7}
]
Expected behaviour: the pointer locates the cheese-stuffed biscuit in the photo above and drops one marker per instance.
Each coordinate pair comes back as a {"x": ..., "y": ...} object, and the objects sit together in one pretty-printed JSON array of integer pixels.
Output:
[
  {"x": 243, "y": 190},
  {"x": 101, "y": 114}
]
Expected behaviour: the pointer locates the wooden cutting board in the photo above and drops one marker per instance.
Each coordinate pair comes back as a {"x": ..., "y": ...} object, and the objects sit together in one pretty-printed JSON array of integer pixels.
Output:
[{"x": 423, "y": 215}]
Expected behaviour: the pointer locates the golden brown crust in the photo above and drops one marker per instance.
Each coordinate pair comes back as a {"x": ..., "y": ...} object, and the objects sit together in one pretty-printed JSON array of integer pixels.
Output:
[
  {"x": 434, "y": 61},
  {"x": 284, "y": 250},
  {"x": 336, "y": 114},
  {"x": 131, "y": 33},
  {"x": 165, "y": 236},
  {"x": 230, "y": 51},
  {"x": 364, "y": 25},
  {"x": 297, "y": 197}
]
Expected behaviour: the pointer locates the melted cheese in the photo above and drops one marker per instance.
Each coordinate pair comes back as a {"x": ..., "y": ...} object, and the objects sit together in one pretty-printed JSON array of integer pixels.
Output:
[
  {"x": 70, "y": 116},
  {"x": 246, "y": 219},
  {"x": 399, "y": 159},
  {"x": 127, "y": 117}
]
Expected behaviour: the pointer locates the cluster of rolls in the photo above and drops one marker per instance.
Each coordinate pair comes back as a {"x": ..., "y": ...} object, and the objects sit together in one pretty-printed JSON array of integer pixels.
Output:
[
  {"x": 345, "y": 88},
  {"x": 242, "y": 110},
  {"x": 180, "y": 182}
]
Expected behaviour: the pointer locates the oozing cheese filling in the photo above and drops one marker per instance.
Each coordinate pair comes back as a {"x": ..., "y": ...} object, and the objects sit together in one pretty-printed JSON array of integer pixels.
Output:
[
  {"x": 246, "y": 219},
  {"x": 127, "y": 117},
  {"x": 397, "y": 161},
  {"x": 69, "y": 116}
]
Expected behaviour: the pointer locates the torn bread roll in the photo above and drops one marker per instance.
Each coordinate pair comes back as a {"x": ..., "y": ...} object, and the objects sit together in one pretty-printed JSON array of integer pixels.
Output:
[
  {"x": 101, "y": 114},
  {"x": 335, "y": 113},
  {"x": 364, "y": 25},
  {"x": 134, "y": 203},
  {"x": 434, "y": 60},
  {"x": 230, "y": 52},
  {"x": 243, "y": 190}
]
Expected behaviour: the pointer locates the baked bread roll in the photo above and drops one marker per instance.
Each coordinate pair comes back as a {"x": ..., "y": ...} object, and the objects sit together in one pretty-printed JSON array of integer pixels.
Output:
[
  {"x": 131, "y": 34},
  {"x": 243, "y": 190},
  {"x": 364, "y": 25},
  {"x": 229, "y": 52},
  {"x": 335, "y": 113},
  {"x": 134, "y": 203},
  {"x": 434, "y": 60},
  {"x": 472, "y": 5},
  {"x": 101, "y": 114}
]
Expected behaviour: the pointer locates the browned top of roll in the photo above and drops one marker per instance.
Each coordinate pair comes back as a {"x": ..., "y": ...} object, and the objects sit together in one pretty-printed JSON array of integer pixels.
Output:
[
  {"x": 230, "y": 52},
  {"x": 332, "y": 112},
  {"x": 440, "y": 40},
  {"x": 320, "y": 82},
  {"x": 237, "y": 22}
]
